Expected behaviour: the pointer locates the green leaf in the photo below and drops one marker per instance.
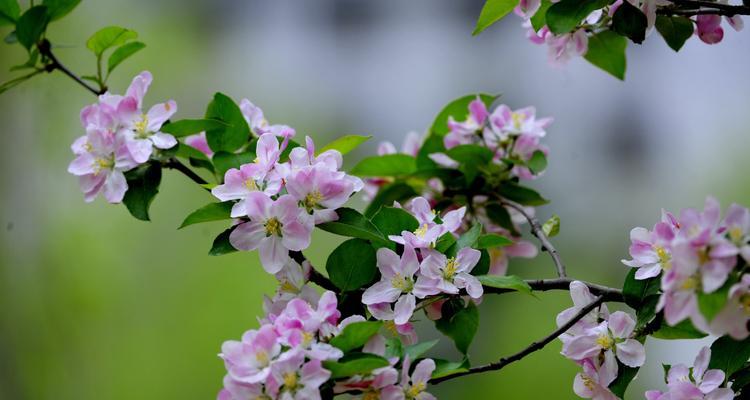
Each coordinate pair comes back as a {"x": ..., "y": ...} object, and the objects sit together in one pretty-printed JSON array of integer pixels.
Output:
[
  {"x": 675, "y": 30},
  {"x": 432, "y": 144},
  {"x": 224, "y": 161},
  {"x": 540, "y": 17},
  {"x": 108, "y": 37},
  {"x": 493, "y": 11},
  {"x": 470, "y": 157},
  {"x": 636, "y": 291},
  {"x": 461, "y": 326},
  {"x": 445, "y": 368},
  {"x": 194, "y": 156},
  {"x": 483, "y": 265},
  {"x": 607, "y": 51},
  {"x": 470, "y": 237},
  {"x": 729, "y": 355},
  {"x": 355, "y": 335},
  {"x": 521, "y": 194},
  {"x": 417, "y": 350},
  {"x": 186, "y": 127},
  {"x": 353, "y": 224},
  {"x": 393, "y": 348},
  {"x": 209, "y": 212},
  {"x": 143, "y": 185},
  {"x": 459, "y": 110},
  {"x": 221, "y": 244},
  {"x": 491, "y": 240},
  {"x": 31, "y": 25},
  {"x": 385, "y": 165},
  {"x": 537, "y": 163},
  {"x": 510, "y": 282},
  {"x": 630, "y": 21},
  {"x": 9, "y": 12},
  {"x": 552, "y": 227},
  {"x": 345, "y": 144},
  {"x": 740, "y": 379},
  {"x": 396, "y": 191},
  {"x": 57, "y": 9},
  {"x": 564, "y": 16},
  {"x": 445, "y": 242},
  {"x": 393, "y": 221},
  {"x": 122, "y": 53},
  {"x": 683, "y": 330},
  {"x": 228, "y": 138},
  {"x": 625, "y": 375},
  {"x": 30, "y": 63},
  {"x": 498, "y": 214},
  {"x": 710, "y": 304},
  {"x": 354, "y": 364},
  {"x": 351, "y": 265}
]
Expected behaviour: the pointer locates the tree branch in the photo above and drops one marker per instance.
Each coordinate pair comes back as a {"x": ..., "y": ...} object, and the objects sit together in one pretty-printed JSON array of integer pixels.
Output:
[
  {"x": 315, "y": 276},
  {"x": 543, "y": 285},
  {"x": 175, "y": 164},
  {"x": 45, "y": 49},
  {"x": 536, "y": 229},
  {"x": 701, "y": 7},
  {"x": 538, "y": 345}
]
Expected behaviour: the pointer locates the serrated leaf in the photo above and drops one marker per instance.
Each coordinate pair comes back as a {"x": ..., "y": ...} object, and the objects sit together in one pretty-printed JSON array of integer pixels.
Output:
[
  {"x": 122, "y": 53},
  {"x": 607, "y": 51},
  {"x": 355, "y": 335},
  {"x": 675, "y": 30},
  {"x": 445, "y": 368},
  {"x": 393, "y": 221},
  {"x": 510, "y": 282},
  {"x": 351, "y": 265},
  {"x": 493, "y": 11},
  {"x": 143, "y": 185},
  {"x": 345, "y": 144},
  {"x": 636, "y": 291},
  {"x": 109, "y": 37},
  {"x": 209, "y": 212}
]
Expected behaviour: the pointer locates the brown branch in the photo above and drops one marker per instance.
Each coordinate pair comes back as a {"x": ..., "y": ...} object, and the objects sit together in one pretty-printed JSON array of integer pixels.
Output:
[
  {"x": 45, "y": 49},
  {"x": 538, "y": 345},
  {"x": 543, "y": 285},
  {"x": 536, "y": 230},
  {"x": 315, "y": 276},
  {"x": 175, "y": 164},
  {"x": 700, "y": 7}
]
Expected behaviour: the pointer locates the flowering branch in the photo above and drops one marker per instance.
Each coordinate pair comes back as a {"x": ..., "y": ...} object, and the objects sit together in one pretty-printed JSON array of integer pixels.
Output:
[
  {"x": 536, "y": 229},
  {"x": 535, "y": 346},
  {"x": 543, "y": 285},
  {"x": 699, "y": 7}
]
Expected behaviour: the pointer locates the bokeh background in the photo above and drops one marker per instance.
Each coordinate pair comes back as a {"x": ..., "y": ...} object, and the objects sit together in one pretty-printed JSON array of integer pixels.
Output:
[{"x": 97, "y": 305}]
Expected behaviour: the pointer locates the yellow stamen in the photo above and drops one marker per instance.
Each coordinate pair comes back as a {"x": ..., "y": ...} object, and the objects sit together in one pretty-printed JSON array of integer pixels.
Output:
[
  {"x": 665, "y": 259},
  {"x": 421, "y": 231},
  {"x": 262, "y": 358},
  {"x": 251, "y": 185},
  {"x": 517, "y": 119},
  {"x": 141, "y": 126},
  {"x": 371, "y": 395},
  {"x": 450, "y": 269},
  {"x": 735, "y": 234},
  {"x": 402, "y": 283},
  {"x": 390, "y": 326},
  {"x": 588, "y": 382},
  {"x": 290, "y": 381},
  {"x": 312, "y": 199},
  {"x": 415, "y": 389},
  {"x": 307, "y": 338},
  {"x": 605, "y": 341},
  {"x": 745, "y": 303},
  {"x": 690, "y": 283},
  {"x": 273, "y": 227},
  {"x": 286, "y": 286},
  {"x": 103, "y": 163}
]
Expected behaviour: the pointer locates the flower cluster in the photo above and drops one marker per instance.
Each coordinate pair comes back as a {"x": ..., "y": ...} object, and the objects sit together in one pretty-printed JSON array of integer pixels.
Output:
[
  {"x": 696, "y": 382},
  {"x": 597, "y": 342},
  {"x": 697, "y": 255},
  {"x": 562, "y": 47},
  {"x": 119, "y": 137},
  {"x": 279, "y": 203}
]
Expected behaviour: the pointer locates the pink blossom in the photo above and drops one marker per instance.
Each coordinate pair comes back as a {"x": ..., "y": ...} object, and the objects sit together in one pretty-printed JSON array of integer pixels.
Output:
[
  {"x": 679, "y": 283},
  {"x": 449, "y": 275},
  {"x": 593, "y": 382},
  {"x": 527, "y": 8},
  {"x": 708, "y": 28},
  {"x": 650, "y": 250},
  {"x": 275, "y": 227},
  {"x": 737, "y": 225},
  {"x": 428, "y": 232},
  {"x": 239, "y": 183},
  {"x": 500, "y": 256},
  {"x": 734, "y": 318},
  {"x": 249, "y": 360},
  {"x": 612, "y": 336},
  {"x": 561, "y": 48},
  {"x": 293, "y": 378},
  {"x": 414, "y": 386},
  {"x": 504, "y": 122},
  {"x": 258, "y": 123},
  {"x": 468, "y": 131},
  {"x": 320, "y": 191},
  {"x": 694, "y": 383},
  {"x": 292, "y": 279},
  {"x": 234, "y": 390},
  {"x": 581, "y": 297},
  {"x": 396, "y": 285},
  {"x": 300, "y": 324},
  {"x": 200, "y": 143},
  {"x": 301, "y": 157}
]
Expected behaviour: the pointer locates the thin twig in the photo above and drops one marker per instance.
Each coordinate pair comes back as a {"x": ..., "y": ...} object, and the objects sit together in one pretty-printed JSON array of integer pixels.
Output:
[
  {"x": 543, "y": 285},
  {"x": 45, "y": 49},
  {"x": 175, "y": 164},
  {"x": 538, "y": 345},
  {"x": 536, "y": 229},
  {"x": 690, "y": 8}
]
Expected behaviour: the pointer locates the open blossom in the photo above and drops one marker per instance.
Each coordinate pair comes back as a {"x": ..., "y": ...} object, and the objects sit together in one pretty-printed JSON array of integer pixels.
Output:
[
  {"x": 293, "y": 378},
  {"x": 650, "y": 250},
  {"x": 428, "y": 232},
  {"x": 320, "y": 191},
  {"x": 581, "y": 297},
  {"x": 301, "y": 157},
  {"x": 414, "y": 386},
  {"x": 694, "y": 383},
  {"x": 249, "y": 360},
  {"x": 737, "y": 225},
  {"x": 258, "y": 123},
  {"x": 506, "y": 122},
  {"x": 448, "y": 275},
  {"x": 734, "y": 317},
  {"x": 593, "y": 382},
  {"x": 275, "y": 227},
  {"x": 293, "y": 278},
  {"x": 200, "y": 143},
  {"x": 611, "y": 336},
  {"x": 468, "y": 131},
  {"x": 396, "y": 285},
  {"x": 234, "y": 390},
  {"x": 300, "y": 323}
]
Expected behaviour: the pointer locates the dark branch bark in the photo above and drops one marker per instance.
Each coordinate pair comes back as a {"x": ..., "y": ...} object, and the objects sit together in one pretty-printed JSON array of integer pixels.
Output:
[
  {"x": 543, "y": 285},
  {"x": 175, "y": 164},
  {"x": 315, "y": 276},
  {"x": 538, "y": 345},
  {"x": 699, "y": 7},
  {"x": 45, "y": 49}
]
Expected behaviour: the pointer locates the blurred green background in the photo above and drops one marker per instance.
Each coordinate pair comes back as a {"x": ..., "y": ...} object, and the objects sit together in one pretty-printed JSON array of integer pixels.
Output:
[{"x": 97, "y": 305}]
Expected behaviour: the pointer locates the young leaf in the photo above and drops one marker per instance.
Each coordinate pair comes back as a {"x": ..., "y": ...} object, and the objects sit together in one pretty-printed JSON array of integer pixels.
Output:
[
  {"x": 57, "y": 9},
  {"x": 143, "y": 185},
  {"x": 521, "y": 194},
  {"x": 675, "y": 30},
  {"x": 470, "y": 237},
  {"x": 31, "y": 25},
  {"x": 459, "y": 110},
  {"x": 445, "y": 368},
  {"x": 563, "y": 16},
  {"x": 607, "y": 51},
  {"x": 491, "y": 240},
  {"x": 511, "y": 282},
  {"x": 345, "y": 144},
  {"x": 393, "y": 221},
  {"x": 223, "y": 161},
  {"x": 351, "y": 265},
  {"x": 9, "y": 12},
  {"x": 415, "y": 351},
  {"x": 186, "y": 127},
  {"x": 354, "y": 364},
  {"x": 385, "y": 165},
  {"x": 228, "y": 138},
  {"x": 683, "y": 330},
  {"x": 353, "y": 224},
  {"x": 108, "y": 37},
  {"x": 396, "y": 191},
  {"x": 537, "y": 163},
  {"x": 355, "y": 335},
  {"x": 461, "y": 326},
  {"x": 540, "y": 17},
  {"x": 209, "y": 212},
  {"x": 497, "y": 213},
  {"x": 493, "y": 11},
  {"x": 552, "y": 227},
  {"x": 122, "y": 53},
  {"x": 729, "y": 355},
  {"x": 221, "y": 244},
  {"x": 630, "y": 21}
]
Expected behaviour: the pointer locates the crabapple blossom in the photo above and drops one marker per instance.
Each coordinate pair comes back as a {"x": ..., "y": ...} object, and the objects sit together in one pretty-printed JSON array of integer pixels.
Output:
[
  {"x": 249, "y": 360},
  {"x": 611, "y": 336},
  {"x": 414, "y": 386},
  {"x": 581, "y": 296},
  {"x": 448, "y": 275},
  {"x": 697, "y": 382},
  {"x": 467, "y": 132},
  {"x": 737, "y": 223},
  {"x": 275, "y": 227},
  {"x": 320, "y": 191},
  {"x": 200, "y": 143},
  {"x": 258, "y": 123},
  {"x": 234, "y": 390},
  {"x": 293, "y": 378},
  {"x": 293, "y": 278},
  {"x": 428, "y": 232},
  {"x": 650, "y": 250},
  {"x": 593, "y": 382},
  {"x": 734, "y": 317}
]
